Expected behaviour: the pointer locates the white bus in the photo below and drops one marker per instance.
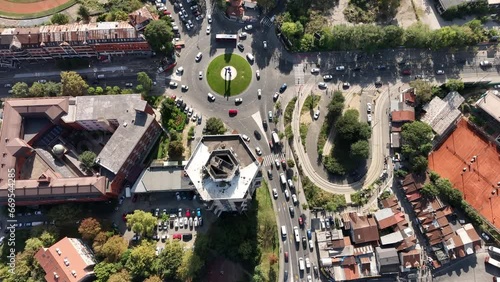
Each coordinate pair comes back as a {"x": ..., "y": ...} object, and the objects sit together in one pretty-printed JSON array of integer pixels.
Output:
[
  {"x": 276, "y": 138},
  {"x": 494, "y": 250},
  {"x": 493, "y": 262}
]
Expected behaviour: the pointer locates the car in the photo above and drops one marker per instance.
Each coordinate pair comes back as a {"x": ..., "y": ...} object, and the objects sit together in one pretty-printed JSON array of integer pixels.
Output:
[
  {"x": 264, "y": 43},
  {"x": 311, "y": 245},
  {"x": 177, "y": 236},
  {"x": 195, "y": 222},
  {"x": 259, "y": 93},
  {"x": 277, "y": 163},
  {"x": 381, "y": 67},
  {"x": 270, "y": 115},
  {"x": 276, "y": 96},
  {"x": 283, "y": 88},
  {"x": 199, "y": 119},
  {"x": 173, "y": 84},
  {"x": 37, "y": 212},
  {"x": 250, "y": 57},
  {"x": 209, "y": 18},
  {"x": 406, "y": 72},
  {"x": 200, "y": 221},
  {"x": 241, "y": 47},
  {"x": 322, "y": 85},
  {"x": 378, "y": 84},
  {"x": 287, "y": 194},
  {"x": 238, "y": 101},
  {"x": 485, "y": 236},
  {"x": 198, "y": 57},
  {"x": 440, "y": 72},
  {"x": 258, "y": 151},
  {"x": 257, "y": 135},
  {"x": 346, "y": 85},
  {"x": 309, "y": 278},
  {"x": 264, "y": 124},
  {"x": 194, "y": 118},
  {"x": 243, "y": 35},
  {"x": 248, "y": 27},
  {"x": 304, "y": 243},
  {"x": 368, "y": 107},
  {"x": 308, "y": 263},
  {"x": 369, "y": 118},
  {"x": 188, "y": 213},
  {"x": 176, "y": 223},
  {"x": 485, "y": 64},
  {"x": 190, "y": 220},
  {"x": 136, "y": 237},
  {"x": 301, "y": 221},
  {"x": 157, "y": 212},
  {"x": 129, "y": 84},
  {"x": 180, "y": 213},
  {"x": 186, "y": 221},
  {"x": 208, "y": 29},
  {"x": 211, "y": 97},
  {"x": 188, "y": 26},
  {"x": 190, "y": 112},
  {"x": 314, "y": 71},
  {"x": 198, "y": 212},
  {"x": 294, "y": 199},
  {"x": 245, "y": 137},
  {"x": 8, "y": 85},
  {"x": 316, "y": 114},
  {"x": 134, "y": 198},
  {"x": 327, "y": 77},
  {"x": 193, "y": 7},
  {"x": 292, "y": 211},
  {"x": 42, "y": 81},
  {"x": 163, "y": 237},
  {"x": 289, "y": 181},
  {"x": 309, "y": 234},
  {"x": 179, "y": 71},
  {"x": 275, "y": 193},
  {"x": 339, "y": 68},
  {"x": 286, "y": 256},
  {"x": 270, "y": 174},
  {"x": 184, "y": 88},
  {"x": 200, "y": 75},
  {"x": 257, "y": 74}
]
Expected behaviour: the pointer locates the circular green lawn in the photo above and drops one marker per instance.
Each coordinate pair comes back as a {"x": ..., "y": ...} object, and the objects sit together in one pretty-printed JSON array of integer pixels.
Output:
[{"x": 229, "y": 87}]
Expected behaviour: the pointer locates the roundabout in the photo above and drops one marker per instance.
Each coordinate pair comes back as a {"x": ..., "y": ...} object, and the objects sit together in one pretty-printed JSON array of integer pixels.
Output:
[{"x": 229, "y": 74}]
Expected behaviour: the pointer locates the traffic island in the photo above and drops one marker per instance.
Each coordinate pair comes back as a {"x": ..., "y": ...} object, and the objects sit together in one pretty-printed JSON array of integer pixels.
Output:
[{"x": 229, "y": 74}]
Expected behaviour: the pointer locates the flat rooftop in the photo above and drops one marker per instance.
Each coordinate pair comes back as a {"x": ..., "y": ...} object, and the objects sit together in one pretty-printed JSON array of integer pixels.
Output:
[
  {"x": 161, "y": 178},
  {"x": 490, "y": 103},
  {"x": 222, "y": 167}
]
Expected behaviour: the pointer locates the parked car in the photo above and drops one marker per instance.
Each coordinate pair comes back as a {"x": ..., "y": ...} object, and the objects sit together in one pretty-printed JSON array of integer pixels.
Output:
[
  {"x": 322, "y": 85},
  {"x": 258, "y": 151},
  {"x": 243, "y": 35},
  {"x": 327, "y": 77},
  {"x": 440, "y": 72},
  {"x": 275, "y": 193},
  {"x": 316, "y": 114},
  {"x": 339, "y": 68},
  {"x": 241, "y": 47},
  {"x": 283, "y": 88},
  {"x": 314, "y": 70},
  {"x": 209, "y": 19},
  {"x": 248, "y": 27},
  {"x": 173, "y": 84},
  {"x": 208, "y": 29}
]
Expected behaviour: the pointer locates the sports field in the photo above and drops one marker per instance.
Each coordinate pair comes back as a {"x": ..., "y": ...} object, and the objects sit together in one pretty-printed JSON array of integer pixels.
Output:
[
  {"x": 477, "y": 180},
  {"x": 28, "y": 9}
]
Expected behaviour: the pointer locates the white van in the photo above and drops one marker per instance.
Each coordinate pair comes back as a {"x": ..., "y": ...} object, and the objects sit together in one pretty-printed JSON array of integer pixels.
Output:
[
  {"x": 301, "y": 264},
  {"x": 250, "y": 57},
  {"x": 294, "y": 199},
  {"x": 290, "y": 184},
  {"x": 283, "y": 231},
  {"x": 287, "y": 194},
  {"x": 297, "y": 235},
  {"x": 283, "y": 179}
]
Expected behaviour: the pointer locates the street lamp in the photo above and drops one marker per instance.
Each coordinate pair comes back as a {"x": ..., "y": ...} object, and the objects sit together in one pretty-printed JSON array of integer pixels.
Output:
[{"x": 463, "y": 183}]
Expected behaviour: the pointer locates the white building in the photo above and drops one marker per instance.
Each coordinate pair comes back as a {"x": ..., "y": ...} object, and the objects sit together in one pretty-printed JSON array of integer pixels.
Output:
[{"x": 225, "y": 172}]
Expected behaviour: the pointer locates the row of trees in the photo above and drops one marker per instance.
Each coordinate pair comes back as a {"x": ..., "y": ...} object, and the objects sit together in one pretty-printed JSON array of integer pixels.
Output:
[
  {"x": 372, "y": 37},
  {"x": 425, "y": 90},
  {"x": 73, "y": 84}
]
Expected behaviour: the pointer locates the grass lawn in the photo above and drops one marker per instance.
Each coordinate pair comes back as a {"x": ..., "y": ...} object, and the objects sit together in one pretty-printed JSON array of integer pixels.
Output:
[
  {"x": 268, "y": 234},
  {"x": 39, "y": 14},
  {"x": 235, "y": 86},
  {"x": 310, "y": 103}
]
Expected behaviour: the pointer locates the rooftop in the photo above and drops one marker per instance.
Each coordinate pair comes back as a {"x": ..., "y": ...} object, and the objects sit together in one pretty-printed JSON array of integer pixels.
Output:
[
  {"x": 67, "y": 260},
  {"x": 410, "y": 259},
  {"x": 441, "y": 114},
  {"x": 162, "y": 177},
  {"x": 400, "y": 116},
  {"x": 364, "y": 228},
  {"x": 490, "y": 103},
  {"x": 222, "y": 167}
]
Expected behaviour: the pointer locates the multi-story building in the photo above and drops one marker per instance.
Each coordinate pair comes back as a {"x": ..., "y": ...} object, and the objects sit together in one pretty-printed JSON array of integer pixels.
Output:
[
  {"x": 74, "y": 40},
  {"x": 40, "y": 163},
  {"x": 68, "y": 260},
  {"x": 225, "y": 172}
]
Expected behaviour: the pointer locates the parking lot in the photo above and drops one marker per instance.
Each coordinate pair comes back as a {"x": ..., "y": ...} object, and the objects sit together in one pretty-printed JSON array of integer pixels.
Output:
[{"x": 177, "y": 208}]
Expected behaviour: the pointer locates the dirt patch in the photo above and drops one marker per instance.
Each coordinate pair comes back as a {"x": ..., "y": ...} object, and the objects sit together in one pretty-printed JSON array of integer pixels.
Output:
[
  {"x": 306, "y": 118},
  {"x": 406, "y": 15},
  {"x": 336, "y": 15},
  {"x": 355, "y": 102}
]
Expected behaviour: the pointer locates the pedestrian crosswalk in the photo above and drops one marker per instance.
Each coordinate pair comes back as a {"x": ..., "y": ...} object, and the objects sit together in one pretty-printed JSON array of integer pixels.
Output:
[
  {"x": 298, "y": 71},
  {"x": 269, "y": 160},
  {"x": 266, "y": 21}
]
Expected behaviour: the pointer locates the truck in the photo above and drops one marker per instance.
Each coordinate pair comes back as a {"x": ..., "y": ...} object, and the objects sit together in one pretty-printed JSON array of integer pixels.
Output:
[
  {"x": 492, "y": 261},
  {"x": 276, "y": 139},
  {"x": 301, "y": 264},
  {"x": 127, "y": 192}
]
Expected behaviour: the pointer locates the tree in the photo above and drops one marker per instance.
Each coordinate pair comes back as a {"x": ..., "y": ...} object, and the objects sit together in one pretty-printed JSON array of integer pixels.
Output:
[
  {"x": 429, "y": 190},
  {"x": 64, "y": 214},
  {"x": 99, "y": 90},
  {"x": 170, "y": 259},
  {"x": 20, "y": 90},
  {"x": 47, "y": 238},
  {"x": 34, "y": 244},
  {"x": 417, "y": 137},
  {"x": 455, "y": 85},
  {"x": 52, "y": 89},
  {"x": 175, "y": 149},
  {"x": 189, "y": 267},
  {"x": 146, "y": 82},
  {"x": 114, "y": 248},
  {"x": 419, "y": 164},
  {"x": 37, "y": 90},
  {"x": 267, "y": 5},
  {"x": 214, "y": 126},
  {"x": 73, "y": 84},
  {"x": 154, "y": 279},
  {"x": 84, "y": 12},
  {"x": 121, "y": 276},
  {"x": 159, "y": 35},
  {"x": 142, "y": 223},
  {"x": 141, "y": 262},
  {"x": 423, "y": 90},
  {"x": 59, "y": 18},
  {"x": 104, "y": 270},
  {"x": 360, "y": 149},
  {"x": 87, "y": 160},
  {"x": 99, "y": 242},
  {"x": 89, "y": 228},
  {"x": 290, "y": 163}
]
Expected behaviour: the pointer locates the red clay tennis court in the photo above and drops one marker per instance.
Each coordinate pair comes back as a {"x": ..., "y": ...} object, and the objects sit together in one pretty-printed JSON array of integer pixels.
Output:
[
  {"x": 480, "y": 179},
  {"x": 29, "y": 7}
]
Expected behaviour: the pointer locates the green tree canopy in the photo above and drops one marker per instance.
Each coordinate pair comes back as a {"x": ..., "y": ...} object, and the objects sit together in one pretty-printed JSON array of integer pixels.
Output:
[
  {"x": 89, "y": 228},
  {"x": 423, "y": 90},
  {"x": 20, "y": 90},
  {"x": 144, "y": 80},
  {"x": 429, "y": 190},
  {"x": 214, "y": 126},
  {"x": 175, "y": 149},
  {"x": 142, "y": 223},
  {"x": 87, "y": 160},
  {"x": 114, "y": 248},
  {"x": 37, "y": 90},
  {"x": 360, "y": 149},
  {"x": 103, "y": 270},
  {"x": 73, "y": 84},
  {"x": 65, "y": 214},
  {"x": 170, "y": 260},
  {"x": 141, "y": 262},
  {"x": 121, "y": 276},
  {"x": 59, "y": 18},
  {"x": 84, "y": 12},
  {"x": 455, "y": 85},
  {"x": 159, "y": 35}
]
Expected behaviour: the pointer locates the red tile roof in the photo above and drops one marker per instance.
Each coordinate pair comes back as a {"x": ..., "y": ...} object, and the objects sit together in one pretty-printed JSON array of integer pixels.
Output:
[
  {"x": 411, "y": 259},
  {"x": 68, "y": 260},
  {"x": 364, "y": 228},
  {"x": 391, "y": 220},
  {"x": 409, "y": 97},
  {"x": 403, "y": 116}
]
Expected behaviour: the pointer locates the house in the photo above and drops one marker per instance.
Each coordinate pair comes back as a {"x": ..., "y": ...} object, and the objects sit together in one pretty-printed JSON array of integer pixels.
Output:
[
  {"x": 235, "y": 9},
  {"x": 387, "y": 260},
  {"x": 402, "y": 111},
  {"x": 490, "y": 104},
  {"x": 410, "y": 260},
  {"x": 465, "y": 242},
  {"x": 403, "y": 116},
  {"x": 141, "y": 18},
  {"x": 387, "y": 218},
  {"x": 443, "y": 114},
  {"x": 37, "y": 140},
  {"x": 363, "y": 228},
  {"x": 68, "y": 260},
  {"x": 75, "y": 40}
]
